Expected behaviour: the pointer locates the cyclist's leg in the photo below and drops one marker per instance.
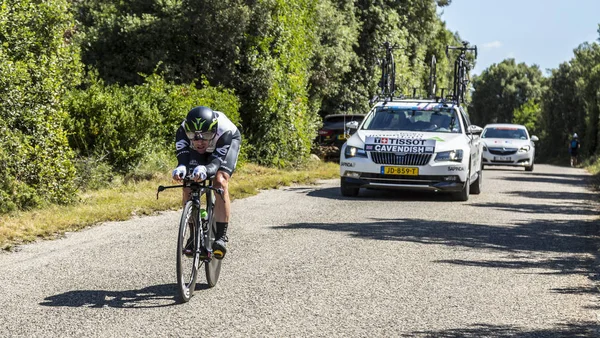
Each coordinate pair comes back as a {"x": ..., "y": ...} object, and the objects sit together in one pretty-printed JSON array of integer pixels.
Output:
[{"x": 222, "y": 205}]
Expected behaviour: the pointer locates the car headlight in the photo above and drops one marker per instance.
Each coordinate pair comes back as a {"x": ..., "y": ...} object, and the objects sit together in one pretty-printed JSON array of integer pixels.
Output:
[
  {"x": 484, "y": 148},
  {"x": 524, "y": 149},
  {"x": 354, "y": 152},
  {"x": 452, "y": 155}
]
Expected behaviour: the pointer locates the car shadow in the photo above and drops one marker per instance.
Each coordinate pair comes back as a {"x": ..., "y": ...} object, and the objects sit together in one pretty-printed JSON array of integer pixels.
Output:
[{"x": 148, "y": 297}]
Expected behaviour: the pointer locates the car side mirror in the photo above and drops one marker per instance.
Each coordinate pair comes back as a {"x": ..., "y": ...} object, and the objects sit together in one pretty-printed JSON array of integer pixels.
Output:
[
  {"x": 352, "y": 125},
  {"x": 534, "y": 138},
  {"x": 477, "y": 130}
]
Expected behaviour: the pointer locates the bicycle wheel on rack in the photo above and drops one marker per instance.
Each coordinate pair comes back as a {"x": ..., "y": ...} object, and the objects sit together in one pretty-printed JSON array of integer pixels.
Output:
[
  {"x": 187, "y": 264},
  {"x": 463, "y": 82},
  {"x": 391, "y": 76},
  {"x": 213, "y": 267},
  {"x": 432, "y": 78}
]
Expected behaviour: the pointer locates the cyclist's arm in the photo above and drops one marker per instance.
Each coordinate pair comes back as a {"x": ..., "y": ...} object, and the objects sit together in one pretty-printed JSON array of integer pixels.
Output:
[
  {"x": 182, "y": 147},
  {"x": 218, "y": 156}
]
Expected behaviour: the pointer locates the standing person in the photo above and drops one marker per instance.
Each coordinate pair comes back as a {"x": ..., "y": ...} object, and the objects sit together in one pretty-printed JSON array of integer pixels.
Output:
[
  {"x": 207, "y": 136},
  {"x": 574, "y": 146}
]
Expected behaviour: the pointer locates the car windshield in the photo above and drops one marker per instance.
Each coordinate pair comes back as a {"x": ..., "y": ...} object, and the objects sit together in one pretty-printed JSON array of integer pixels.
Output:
[
  {"x": 505, "y": 132},
  {"x": 402, "y": 119},
  {"x": 338, "y": 122}
]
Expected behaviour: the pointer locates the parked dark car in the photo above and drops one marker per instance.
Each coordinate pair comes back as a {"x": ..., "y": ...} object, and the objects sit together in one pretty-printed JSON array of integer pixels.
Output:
[{"x": 334, "y": 126}]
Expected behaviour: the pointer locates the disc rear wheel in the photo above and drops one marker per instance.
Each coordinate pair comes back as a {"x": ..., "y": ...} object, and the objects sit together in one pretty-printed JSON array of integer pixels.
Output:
[{"x": 213, "y": 267}]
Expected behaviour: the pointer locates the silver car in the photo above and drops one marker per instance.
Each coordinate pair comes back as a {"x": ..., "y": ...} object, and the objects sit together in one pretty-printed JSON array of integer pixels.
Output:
[{"x": 506, "y": 144}]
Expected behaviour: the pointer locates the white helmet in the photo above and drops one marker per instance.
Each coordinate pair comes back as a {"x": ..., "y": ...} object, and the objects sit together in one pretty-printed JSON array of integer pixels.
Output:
[{"x": 575, "y": 135}]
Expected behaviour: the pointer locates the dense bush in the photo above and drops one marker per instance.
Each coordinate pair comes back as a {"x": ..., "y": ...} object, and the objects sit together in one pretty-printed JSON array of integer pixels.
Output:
[
  {"x": 123, "y": 124},
  {"x": 38, "y": 63}
]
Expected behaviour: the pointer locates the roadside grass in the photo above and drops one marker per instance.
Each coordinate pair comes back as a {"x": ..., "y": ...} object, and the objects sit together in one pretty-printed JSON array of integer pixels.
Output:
[
  {"x": 593, "y": 167},
  {"x": 139, "y": 198}
]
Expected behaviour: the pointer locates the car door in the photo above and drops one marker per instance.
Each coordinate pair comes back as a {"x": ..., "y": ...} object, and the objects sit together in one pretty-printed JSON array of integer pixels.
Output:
[{"x": 474, "y": 144}]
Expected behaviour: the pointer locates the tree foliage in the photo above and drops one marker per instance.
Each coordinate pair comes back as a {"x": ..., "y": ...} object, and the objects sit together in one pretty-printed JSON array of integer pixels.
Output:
[
  {"x": 572, "y": 104},
  {"x": 502, "y": 89},
  {"x": 286, "y": 60}
]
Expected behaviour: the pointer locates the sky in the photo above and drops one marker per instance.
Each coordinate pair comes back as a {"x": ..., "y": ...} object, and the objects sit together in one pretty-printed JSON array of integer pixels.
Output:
[{"x": 541, "y": 32}]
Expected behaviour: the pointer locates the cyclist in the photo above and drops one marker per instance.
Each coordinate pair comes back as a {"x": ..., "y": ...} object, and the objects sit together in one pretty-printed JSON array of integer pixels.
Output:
[
  {"x": 574, "y": 146},
  {"x": 208, "y": 143}
]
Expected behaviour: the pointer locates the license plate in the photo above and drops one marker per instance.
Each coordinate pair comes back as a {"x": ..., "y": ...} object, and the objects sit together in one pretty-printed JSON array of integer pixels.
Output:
[
  {"x": 502, "y": 158},
  {"x": 341, "y": 137},
  {"x": 400, "y": 171}
]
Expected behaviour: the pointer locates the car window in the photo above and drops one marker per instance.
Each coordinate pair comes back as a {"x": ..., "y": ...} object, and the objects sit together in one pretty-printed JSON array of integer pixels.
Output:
[
  {"x": 339, "y": 122},
  {"x": 402, "y": 119},
  {"x": 505, "y": 132}
]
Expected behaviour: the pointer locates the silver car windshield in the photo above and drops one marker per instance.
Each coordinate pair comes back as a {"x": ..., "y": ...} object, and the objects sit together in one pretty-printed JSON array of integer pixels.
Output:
[{"x": 402, "y": 119}]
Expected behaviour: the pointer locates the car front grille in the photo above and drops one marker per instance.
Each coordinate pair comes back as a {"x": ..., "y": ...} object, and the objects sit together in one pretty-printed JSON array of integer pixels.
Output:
[
  {"x": 403, "y": 159},
  {"x": 502, "y": 151}
]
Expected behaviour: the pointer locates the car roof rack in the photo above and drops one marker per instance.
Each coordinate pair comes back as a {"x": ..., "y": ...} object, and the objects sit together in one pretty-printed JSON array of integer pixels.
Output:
[{"x": 459, "y": 82}]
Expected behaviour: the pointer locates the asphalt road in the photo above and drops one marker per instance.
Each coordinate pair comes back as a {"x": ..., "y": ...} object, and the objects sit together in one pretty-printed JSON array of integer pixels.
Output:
[{"x": 519, "y": 260}]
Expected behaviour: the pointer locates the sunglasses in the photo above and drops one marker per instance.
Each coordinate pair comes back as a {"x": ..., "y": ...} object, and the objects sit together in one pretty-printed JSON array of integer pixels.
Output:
[{"x": 197, "y": 135}]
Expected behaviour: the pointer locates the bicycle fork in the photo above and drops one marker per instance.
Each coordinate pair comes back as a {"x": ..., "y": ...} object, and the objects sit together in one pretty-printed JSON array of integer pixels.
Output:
[{"x": 204, "y": 253}]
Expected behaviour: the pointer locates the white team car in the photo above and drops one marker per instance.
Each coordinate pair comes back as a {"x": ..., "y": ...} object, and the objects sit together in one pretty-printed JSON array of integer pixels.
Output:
[
  {"x": 508, "y": 144},
  {"x": 415, "y": 145}
]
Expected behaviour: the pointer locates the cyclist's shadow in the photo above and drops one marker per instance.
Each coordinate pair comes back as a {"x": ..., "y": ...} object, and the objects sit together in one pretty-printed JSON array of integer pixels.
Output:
[{"x": 149, "y": 297}]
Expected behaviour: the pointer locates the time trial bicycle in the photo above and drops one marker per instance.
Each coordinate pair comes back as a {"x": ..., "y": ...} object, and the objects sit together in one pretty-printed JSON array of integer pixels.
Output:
[{"x": 197, "y": 229}]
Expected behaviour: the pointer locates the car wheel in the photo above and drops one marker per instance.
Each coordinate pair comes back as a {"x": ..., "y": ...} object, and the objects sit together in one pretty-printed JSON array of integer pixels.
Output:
[
  {"x": 348, "y": 190},
  {"x": 476, "y": 186},
  {"x": 529, "y": 168},
  {"x": 463, "y": 195}
]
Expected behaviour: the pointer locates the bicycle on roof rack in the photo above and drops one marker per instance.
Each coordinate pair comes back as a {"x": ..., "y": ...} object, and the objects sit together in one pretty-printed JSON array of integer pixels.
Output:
[
  {"x": 432, "y": 77},
  {"x": 388, "y": 71},
  {"x": 461, "y": 71}
]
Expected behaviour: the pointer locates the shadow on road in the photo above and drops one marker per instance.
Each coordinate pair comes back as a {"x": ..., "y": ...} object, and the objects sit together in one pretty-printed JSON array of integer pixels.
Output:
[
  {"x": 575, "y": 208},
  {"x": 521, "y": 243},
  {"x": 570, "y": 330},
  {"x": 149, "y": 297},
  {"x": 569, "y": 179},
  {"x": 556, "y": 195},
  {"x": 380, "y": 195}
]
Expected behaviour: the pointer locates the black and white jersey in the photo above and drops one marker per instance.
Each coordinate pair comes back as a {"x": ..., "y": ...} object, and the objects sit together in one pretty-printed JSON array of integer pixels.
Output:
[{"x": 217, "y": 149}]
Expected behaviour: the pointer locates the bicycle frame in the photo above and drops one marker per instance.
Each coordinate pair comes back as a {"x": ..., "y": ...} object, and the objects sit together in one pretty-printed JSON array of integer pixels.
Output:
[
  {"x": 197, "y": 190},
  {"x": 461, "y": 71},
  {"x": 388, "y": 71}
]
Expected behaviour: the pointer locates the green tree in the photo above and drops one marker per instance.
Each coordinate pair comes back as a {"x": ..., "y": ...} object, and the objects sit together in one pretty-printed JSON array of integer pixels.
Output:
[
  {"x": 572, "y": 104},
  {"x": 528, "y": 115},
  {"x": 503, "y": 88}
]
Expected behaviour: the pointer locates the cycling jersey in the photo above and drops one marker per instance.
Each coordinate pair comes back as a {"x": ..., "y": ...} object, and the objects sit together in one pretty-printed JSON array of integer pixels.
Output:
[{"x": 222, "y": 150}]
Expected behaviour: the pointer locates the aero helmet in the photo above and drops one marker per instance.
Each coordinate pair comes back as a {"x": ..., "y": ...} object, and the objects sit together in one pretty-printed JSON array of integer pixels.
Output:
[{"x": 201, "y": 124}]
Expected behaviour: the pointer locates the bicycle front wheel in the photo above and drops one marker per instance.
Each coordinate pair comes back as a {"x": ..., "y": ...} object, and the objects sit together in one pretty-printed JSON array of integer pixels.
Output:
[
  {"x": 213, "y": 267},
  {"x": 187, "y": 255}
]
